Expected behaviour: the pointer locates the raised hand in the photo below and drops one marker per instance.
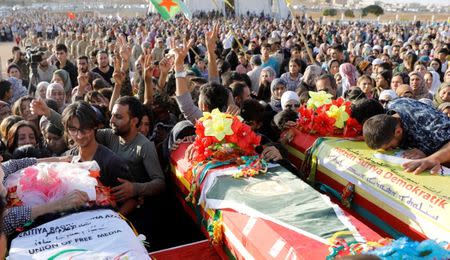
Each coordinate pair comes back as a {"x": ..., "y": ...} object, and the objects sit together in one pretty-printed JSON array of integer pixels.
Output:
[
  {"x": 180, "y": 52},
  {"x": 118, "y": 74},
  {"x": 211, "y": 38},
  {"x": 39, "y": 107},
  {"x": 148, "y": 67},
  {"x": 165, "y": 66},
  {"x": 83, "y": 80}
]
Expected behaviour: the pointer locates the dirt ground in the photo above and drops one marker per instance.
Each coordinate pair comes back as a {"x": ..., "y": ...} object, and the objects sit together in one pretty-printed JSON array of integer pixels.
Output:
[{"x": 5, "y": 54}]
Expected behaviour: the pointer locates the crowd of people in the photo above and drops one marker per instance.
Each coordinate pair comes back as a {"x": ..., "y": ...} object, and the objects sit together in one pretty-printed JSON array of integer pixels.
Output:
[{"x": 127, "y": 91}]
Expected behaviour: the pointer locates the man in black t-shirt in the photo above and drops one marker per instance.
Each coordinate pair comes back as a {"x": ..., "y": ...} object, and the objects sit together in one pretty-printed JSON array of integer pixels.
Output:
[
  {"x": 65, "y": 64},
  {"x": 104, "y": 69}
]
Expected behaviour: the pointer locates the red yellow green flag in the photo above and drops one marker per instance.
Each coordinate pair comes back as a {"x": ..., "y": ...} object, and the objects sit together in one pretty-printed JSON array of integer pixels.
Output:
[{"x": 169, "y": 8}]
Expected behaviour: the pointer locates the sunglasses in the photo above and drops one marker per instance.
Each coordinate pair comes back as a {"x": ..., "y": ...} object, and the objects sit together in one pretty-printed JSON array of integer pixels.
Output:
[
  {"x": 384, "y": 102},
  {"x": 289, "y": 106}
]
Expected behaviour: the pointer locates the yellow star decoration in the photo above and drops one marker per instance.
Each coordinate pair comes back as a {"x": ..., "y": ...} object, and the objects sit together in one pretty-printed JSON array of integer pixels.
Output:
[
  {"x": 217, "y": 124},
  {"x": 318, "y": 99},
  {"x": 339, "y": 114}
]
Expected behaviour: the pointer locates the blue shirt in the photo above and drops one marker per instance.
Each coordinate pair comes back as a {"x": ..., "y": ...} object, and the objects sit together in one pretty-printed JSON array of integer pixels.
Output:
[
  {"x": 273, "y": 63},
  {"x": 424, "y": 127}
]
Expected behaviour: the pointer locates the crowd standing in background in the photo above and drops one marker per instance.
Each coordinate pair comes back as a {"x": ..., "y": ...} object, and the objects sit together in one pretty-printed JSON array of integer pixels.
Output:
[{"x": 127, "y": 91}]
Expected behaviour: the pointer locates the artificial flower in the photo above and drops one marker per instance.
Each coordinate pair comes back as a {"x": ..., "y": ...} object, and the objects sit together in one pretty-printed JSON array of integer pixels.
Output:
[
  {"x": 338, "y": 102},
  {"x": 323, "y": 125},
  {"x": 352, "y": 128},
  {"x": 304, "y": 120},
  {"x": 318, "y": 99},
  {"x": 219, "y": 125},
  {"x": 339, "y": 114}
]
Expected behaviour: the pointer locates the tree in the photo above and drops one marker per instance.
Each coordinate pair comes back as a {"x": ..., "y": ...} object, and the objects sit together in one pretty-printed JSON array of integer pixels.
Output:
[
  {"x": 329, "y": 12},
  {"x": 349, "y": 13},
  {"x": 372, "y": 9}
]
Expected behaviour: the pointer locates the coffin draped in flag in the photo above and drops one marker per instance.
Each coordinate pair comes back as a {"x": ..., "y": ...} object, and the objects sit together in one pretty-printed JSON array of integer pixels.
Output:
[{"x": 278, "y": 196}]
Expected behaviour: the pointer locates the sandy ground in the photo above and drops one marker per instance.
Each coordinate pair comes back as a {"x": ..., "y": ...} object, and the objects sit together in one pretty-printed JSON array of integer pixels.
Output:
[{"x": 5, "y": 54}]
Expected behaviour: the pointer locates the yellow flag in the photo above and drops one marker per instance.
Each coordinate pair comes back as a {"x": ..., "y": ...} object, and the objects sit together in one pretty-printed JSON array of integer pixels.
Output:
[{"x": 229, "y": 4}]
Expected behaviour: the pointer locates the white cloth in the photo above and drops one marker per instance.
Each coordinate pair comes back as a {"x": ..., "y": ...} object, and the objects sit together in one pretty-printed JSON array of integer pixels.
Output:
[{"x": 98, "y": 234}]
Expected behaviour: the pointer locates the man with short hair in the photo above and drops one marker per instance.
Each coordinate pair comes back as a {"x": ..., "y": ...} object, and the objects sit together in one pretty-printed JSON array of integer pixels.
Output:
[
  {"x": 267, "y": 60},
  {"x": 83, "y": 67},
  {"x": 255, "y": 73},
  {"x": 412, "y": 124},
  {"x": 45, "y": 70},
  {"x": 395, "y": 56},
  {"x": 65, "y": 64},
  {"x": 337, "y": 53},
  {"x": 158, "y": 50},
  {"x": 140, "y": 154},
  {"x": 241, "y": 93},
  {"x": 244, "y": 66},
  {"x": 104, "y": 69}
]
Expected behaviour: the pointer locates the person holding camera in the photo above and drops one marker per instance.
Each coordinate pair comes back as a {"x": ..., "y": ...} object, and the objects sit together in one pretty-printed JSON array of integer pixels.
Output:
[
  {"x": 45, "y": 69},
  {"x": 19, "y": 59}
]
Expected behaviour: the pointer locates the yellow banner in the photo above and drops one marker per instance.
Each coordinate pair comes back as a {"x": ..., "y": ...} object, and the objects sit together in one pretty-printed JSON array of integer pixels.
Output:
[{"x": 423, "y": 198}]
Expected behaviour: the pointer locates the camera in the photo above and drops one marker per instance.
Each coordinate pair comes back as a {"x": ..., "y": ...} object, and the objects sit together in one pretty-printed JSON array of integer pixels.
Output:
[{"x": 34, "y": 55}]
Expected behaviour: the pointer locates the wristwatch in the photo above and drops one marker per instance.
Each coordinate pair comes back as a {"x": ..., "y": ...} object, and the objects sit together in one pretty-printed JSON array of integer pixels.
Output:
[{"x": 181, "y": 74}]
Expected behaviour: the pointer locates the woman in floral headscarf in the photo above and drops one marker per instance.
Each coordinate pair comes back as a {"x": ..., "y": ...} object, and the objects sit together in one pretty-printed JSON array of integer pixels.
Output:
[
  {"x": 309, "y": 79},
  {"x": 418, "y": 86},
  {"x": 18, "y": 90},
  {"x": 278, "y": 87},
  {"x": 349, "y": 76}
]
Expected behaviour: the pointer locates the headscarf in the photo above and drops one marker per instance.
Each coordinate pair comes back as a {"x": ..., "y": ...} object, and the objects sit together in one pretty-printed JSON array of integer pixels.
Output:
[
  {"x": 422, "y": 92},
  {"x": 437, "y": 99},
  {"x": 388, "y": 93},
  {"x": 288, "y": 96},
  {"x": 40, "y": 86},
  {"x": 402, "y": 89},
  {"x": 264, "y": 92},
  {"x": 443, "y": 106},
  {"x": 436, "y": 82},
  {"x": 311, "y": 72},
  {"x": 64, "y": 75},
  {"x": 349, "y": 76},
  {"x": 18, "y": 89},
  {"x": 323, "y": 48},
  {"x": 48, "y": 94},
  {"x": 276, "y": 103}
]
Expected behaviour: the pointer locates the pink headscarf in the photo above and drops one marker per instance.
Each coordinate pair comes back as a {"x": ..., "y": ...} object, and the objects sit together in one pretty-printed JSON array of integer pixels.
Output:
[{"x": 349, "y": 76}]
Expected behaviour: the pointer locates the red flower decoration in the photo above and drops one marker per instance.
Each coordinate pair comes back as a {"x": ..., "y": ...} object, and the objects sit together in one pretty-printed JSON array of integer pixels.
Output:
[
  {"x": 323, "y": 124},
  {"x": 352, "y": 128},
  {"x": 305, "y": 118},
  {"x": 242, "y": 142}
]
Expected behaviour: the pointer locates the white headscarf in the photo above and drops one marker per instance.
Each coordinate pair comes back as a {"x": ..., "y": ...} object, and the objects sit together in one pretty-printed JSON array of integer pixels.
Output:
[
  {"x": 288, "y": 96},
  {"x": 436, "y": 82}
]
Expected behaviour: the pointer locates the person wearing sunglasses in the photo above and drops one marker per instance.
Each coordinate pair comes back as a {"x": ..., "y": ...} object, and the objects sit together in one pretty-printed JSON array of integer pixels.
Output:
[{"x": 290, "y": 100}]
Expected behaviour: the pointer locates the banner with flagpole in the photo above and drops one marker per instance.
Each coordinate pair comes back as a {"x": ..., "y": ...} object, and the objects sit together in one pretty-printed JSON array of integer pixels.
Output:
[{"x": 169, "y": 8}]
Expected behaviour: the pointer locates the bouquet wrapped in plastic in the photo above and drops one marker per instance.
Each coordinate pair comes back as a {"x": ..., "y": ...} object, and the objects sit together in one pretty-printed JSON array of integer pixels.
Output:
[{"x": 47, "y": 182}]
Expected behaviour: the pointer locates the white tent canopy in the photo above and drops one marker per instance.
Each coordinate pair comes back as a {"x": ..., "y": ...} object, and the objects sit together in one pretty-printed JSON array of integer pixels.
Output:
[{"x": 276, "y": 8}]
